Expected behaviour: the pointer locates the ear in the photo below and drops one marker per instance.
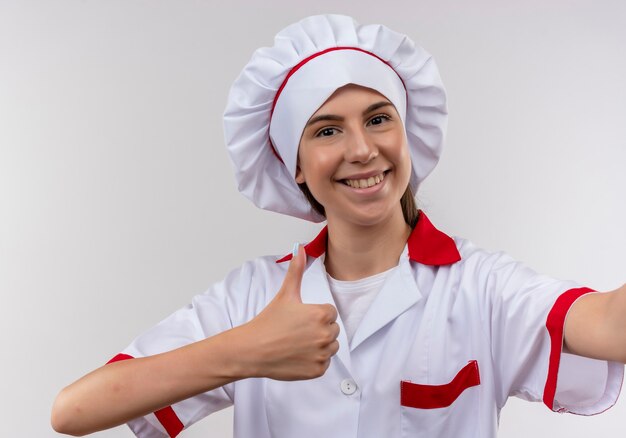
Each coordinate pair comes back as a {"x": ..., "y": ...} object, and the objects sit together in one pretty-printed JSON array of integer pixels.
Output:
[{"x": 299, "y": 175}]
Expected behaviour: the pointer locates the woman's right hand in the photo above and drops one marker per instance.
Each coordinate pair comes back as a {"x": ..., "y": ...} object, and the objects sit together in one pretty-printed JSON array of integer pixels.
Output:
[{"x": 290, "y": 340}]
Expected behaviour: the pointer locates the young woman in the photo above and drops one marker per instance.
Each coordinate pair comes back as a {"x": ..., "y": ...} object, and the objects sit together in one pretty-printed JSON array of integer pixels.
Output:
[{"x": 382, "y": 326}]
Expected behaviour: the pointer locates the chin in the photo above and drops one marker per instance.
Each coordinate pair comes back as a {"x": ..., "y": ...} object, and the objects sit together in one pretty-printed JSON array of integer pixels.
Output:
[{"x": 367, "y": 218}]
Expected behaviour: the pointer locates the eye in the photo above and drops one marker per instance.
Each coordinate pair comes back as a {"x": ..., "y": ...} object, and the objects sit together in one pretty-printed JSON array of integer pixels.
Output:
[
  {"x": 379, "y": 119},
  {"x": 326, "y": 132}
]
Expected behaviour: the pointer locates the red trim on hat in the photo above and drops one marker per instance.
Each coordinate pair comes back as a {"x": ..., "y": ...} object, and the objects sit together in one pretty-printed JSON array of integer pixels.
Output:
[
  {"x": 315, "y": 55},
  {"x": 427, "y": 245},
  {"x": 555, "y": 324},
  {"x": 414, "y": 395},
  {"x": 166, "y": 416},
  {"x": 309, "y": 58}
]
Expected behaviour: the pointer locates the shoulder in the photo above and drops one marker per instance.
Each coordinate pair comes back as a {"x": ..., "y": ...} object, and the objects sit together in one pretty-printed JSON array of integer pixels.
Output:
[
  {"x": 498, "y": 274},
  {"x": 482, "y": 268},
  {"x": 246, "y": 289},
  {"x": 261, "y": 269},
  {"x": 475, "y": 258}
]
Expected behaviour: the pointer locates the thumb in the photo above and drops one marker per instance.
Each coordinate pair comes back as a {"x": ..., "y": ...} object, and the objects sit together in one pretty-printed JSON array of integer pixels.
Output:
[{"x": 293, "y": 278}]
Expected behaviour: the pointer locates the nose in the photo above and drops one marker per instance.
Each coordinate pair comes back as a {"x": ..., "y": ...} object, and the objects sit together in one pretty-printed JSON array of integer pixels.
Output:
[{"x": 360, "y": 148}]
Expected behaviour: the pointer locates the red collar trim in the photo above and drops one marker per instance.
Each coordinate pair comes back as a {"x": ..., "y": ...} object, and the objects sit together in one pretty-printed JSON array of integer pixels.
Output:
[{"x": 427, "y": 245}]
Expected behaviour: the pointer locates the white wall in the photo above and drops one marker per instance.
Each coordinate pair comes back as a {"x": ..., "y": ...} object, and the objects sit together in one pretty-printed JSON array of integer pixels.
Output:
[{"x": 117, "y": 200}]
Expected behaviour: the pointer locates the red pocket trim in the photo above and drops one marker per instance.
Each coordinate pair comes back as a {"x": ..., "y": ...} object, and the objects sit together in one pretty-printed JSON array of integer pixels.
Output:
[{"x": 414, "y": 395}]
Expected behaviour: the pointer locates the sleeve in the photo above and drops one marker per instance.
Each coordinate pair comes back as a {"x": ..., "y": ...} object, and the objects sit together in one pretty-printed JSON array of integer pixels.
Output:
[
  {"x": 208, "y": 314},
  {"x": 528, "y": 313}
]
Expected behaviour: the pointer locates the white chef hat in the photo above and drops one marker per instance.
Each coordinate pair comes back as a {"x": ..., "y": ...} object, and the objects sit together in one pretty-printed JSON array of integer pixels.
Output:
[{"x": 282, "y": 86}]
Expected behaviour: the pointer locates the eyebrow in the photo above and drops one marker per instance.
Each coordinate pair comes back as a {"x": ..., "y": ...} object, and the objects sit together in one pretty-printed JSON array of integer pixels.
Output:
[
  {"x": 375, "y": 106},
  {"x": 333, "y": 117}
]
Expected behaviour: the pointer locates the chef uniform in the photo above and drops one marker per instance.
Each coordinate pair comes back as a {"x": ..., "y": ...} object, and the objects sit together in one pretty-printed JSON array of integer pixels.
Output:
[{"x": 454, "y": 330}]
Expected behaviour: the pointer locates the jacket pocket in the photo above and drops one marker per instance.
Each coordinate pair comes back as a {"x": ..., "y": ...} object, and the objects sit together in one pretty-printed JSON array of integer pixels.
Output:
[{"x": 420, "y": 396}]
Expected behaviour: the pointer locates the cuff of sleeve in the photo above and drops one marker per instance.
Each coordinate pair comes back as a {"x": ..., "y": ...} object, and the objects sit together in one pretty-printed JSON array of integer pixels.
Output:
[
  {"x": 146, "y": 427},
  {"x": 607, "y": 374}
]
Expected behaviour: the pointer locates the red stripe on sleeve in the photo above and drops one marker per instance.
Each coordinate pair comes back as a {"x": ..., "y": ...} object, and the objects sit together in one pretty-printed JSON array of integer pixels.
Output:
[
  {"x": 166, "y": 416},
  {"x": 555, "y": 324}
]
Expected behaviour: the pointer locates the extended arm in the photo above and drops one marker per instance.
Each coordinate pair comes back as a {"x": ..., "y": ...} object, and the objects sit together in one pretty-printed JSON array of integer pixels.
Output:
[
  {"x": 288, "y": 340},
  {"x": 596, "y": 326},
  {"x": 120, "y": 391}
]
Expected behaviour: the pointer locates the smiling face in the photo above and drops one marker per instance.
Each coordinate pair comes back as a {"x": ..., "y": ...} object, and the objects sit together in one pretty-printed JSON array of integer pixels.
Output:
[{"x": 354, "y": 158}]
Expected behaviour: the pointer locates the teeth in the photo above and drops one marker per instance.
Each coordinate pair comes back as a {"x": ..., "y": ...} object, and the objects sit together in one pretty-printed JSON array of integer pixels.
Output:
[{"x": 365, "y": 183}]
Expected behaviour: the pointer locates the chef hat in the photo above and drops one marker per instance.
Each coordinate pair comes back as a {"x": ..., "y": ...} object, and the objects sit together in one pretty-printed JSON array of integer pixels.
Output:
[{"x": 282, "y": 86}]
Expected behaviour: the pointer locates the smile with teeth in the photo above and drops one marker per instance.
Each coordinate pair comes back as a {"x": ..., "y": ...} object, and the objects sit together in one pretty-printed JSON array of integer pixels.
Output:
[{"x": 365, "y": 183}]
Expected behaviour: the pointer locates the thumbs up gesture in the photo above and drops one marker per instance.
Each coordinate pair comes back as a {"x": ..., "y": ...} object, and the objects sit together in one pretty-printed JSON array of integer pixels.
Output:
[{"x": 290, "y": 340}]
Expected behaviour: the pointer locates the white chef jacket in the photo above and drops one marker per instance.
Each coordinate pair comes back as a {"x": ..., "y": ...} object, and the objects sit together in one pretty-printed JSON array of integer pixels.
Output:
[{"x": 454, "y": 331}]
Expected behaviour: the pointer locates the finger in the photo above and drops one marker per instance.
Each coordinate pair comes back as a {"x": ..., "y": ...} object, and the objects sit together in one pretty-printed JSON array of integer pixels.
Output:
[
  {"x": 293, "y": 279},
  {"x": 335, "y": 329},
  {"x": 330, "y": 313},
  {"x": 333, "y": 347}
]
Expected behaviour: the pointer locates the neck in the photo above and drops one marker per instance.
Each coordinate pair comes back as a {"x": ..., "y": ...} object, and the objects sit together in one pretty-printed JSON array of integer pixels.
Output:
[{"x": 356, "y": 251}]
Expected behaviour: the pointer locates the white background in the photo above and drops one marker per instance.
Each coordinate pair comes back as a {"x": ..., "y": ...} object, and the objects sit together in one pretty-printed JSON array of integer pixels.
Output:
[{"x": 118, "y": 203}]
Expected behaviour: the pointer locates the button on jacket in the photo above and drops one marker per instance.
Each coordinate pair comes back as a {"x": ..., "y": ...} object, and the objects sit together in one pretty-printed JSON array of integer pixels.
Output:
[{"x": 454, "y": 331}]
